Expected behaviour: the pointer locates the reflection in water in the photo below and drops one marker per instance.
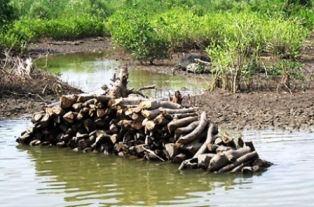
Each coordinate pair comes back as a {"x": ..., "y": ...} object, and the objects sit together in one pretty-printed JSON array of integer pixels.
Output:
[
  {"x": 48, "y": 176},
  {"x": 108, "y": 179},
  {"x": 89, "y": 71}
]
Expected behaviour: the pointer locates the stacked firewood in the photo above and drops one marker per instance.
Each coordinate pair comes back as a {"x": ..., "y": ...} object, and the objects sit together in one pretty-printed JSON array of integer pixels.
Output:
[{"x": 149, "y": 129}]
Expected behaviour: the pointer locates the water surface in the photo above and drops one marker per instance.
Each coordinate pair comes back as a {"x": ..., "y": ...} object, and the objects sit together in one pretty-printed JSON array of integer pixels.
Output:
[
  {"x": 48, "y": 176},
  {"x": 89, "y": 71}
]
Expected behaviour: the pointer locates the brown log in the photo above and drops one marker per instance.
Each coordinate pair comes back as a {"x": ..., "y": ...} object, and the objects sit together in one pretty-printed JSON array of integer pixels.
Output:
[
  {"x": 186, "y": 129},
  {"x": 171, "y": 149},
  {"x": 196, "y": 132},
  {"x": 161, "y": 120},
  {"x": 44, "y": 121},
  {"x": 100, "y": 139},
  {"x": 80, "y": 115},
  {"x": 247, "y": 170},
  {"x": 114, "y": 138},
  {"x": 210, "y": 134},
  {"x": 89, "y": 102},
  {"x": 174, "y": 124},
  {"x": 150, "y": 125},
  {"x": 77, "y": 106},
  {"x": 179, "y": 158},
  {"x": 244, "y": 158},
  {"x": 192, "y": 147},
  {"x": 89, "y": 124},
  {"x": 85, "y": 97},
  {"x": 178, "y": 111},
  {"x": 66, "y": 101},
  {"x": 91, "y": 112},
  {"x": 69, "y": 117},
  {"x": 130, "y": 124},
  {"x": 232, "y": 155},
  {"x": 222, "y": 148},
  {"x": 204, "y": 159},
  {"x": 150, "y": 104},
  {"x": 227, "y": 140},
  {"x": 37, "y": 117},
  {"x": 127, "y": 101},
  {"x": 250, "y": 144},
  {"x": 150, "y": 114},
  {"x": 180, "y": 116},
  {"x": 170, "y": 105},
  {"x": 212, "y": 147},
  {"x": 217, "y": 162},
  {"x": 113, "y": 128},
  {"x": 100, "y": 113},
  {"x": 262, "y": 163}
]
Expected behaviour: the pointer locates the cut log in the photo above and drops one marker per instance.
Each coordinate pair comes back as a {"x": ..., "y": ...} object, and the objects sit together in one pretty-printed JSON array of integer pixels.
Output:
[
  {"x": 180, "y": 116},
  {"x": 150, "y": 125},
  {"x": 232, "y": 155},
  {"x": 191, "y": 147},
  {"x": 100, "y": 98},
  {"x": 170, "y": 105},
  {"x": 100, "y": 113},
  {"x": 250, "y": 144},
  {"x": 89, "y": 124},
  {"x": 204, "y": 159},
  {"x": 186, "y": 129},
  {"x": 37, "y": 117},
  {"x": 202, "y": 149},
  {"x": 222, "y": 148},
  {"x": 196, "y": 132},
  {"x": 178, "y": 111},
  {"x": 161, "y": 120},
  {"x": 150, "y": 104},
  {"x": 244, "y": 158},
  {"x": 217, "y": 162},
  {"x": 179, "y": 158},
  {"x": 69, "y": 117},
  {"x": 66, "y": 101},
  {"x": 174, "y": 124},
  {"x": 171, "y": 150},
  {"x": 150, "y": 114},
  {"x": 44, "y": 121},
  {"x": 227, "y": 140},
  {"x": 212, "y": 147}
]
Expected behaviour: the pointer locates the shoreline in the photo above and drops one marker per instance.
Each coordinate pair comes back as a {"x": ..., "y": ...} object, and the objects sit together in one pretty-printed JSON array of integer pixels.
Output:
[{"x": 239, "y": 111}]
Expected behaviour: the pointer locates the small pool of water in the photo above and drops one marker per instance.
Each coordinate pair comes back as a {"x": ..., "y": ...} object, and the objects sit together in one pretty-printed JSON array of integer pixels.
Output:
[
  {"x": 89, "y": 71},
  {"x": 48, "y": 176}
]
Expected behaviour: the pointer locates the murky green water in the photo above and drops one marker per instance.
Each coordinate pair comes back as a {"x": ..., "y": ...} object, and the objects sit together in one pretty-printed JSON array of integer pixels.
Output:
[
  {"x": 48, "y": 176},
  {"x": 89, "y": 71}
]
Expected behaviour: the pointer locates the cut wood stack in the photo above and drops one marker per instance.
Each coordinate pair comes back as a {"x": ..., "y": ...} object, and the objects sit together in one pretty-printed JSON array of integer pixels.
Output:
[{"x": 149, "y": 129}]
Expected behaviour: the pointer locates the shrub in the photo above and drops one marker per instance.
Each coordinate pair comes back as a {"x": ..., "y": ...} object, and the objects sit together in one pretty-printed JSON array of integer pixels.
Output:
[{"x": 136, "y": 35}]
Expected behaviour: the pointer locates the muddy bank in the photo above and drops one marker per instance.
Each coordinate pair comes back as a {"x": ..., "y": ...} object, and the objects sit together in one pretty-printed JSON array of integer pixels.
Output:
[
  {"x": 263, "y": 110},
  {"x": 256, "y": 110}
]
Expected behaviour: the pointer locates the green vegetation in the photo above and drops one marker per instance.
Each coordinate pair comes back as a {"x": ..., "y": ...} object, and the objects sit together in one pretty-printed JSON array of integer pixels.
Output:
[{"x": 235, "y": 33}]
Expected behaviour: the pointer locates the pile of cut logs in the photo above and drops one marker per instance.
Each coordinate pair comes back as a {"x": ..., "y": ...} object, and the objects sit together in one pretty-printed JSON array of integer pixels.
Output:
[{"x": 149, "y": 129}]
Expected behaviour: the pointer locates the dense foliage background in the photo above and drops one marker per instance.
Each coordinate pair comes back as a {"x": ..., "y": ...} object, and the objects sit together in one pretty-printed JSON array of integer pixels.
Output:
[{"x": 235, "y": 33}]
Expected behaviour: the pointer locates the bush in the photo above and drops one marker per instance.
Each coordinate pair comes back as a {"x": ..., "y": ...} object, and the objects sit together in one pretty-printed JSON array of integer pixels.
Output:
[{"x": 136, "y": 35}]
